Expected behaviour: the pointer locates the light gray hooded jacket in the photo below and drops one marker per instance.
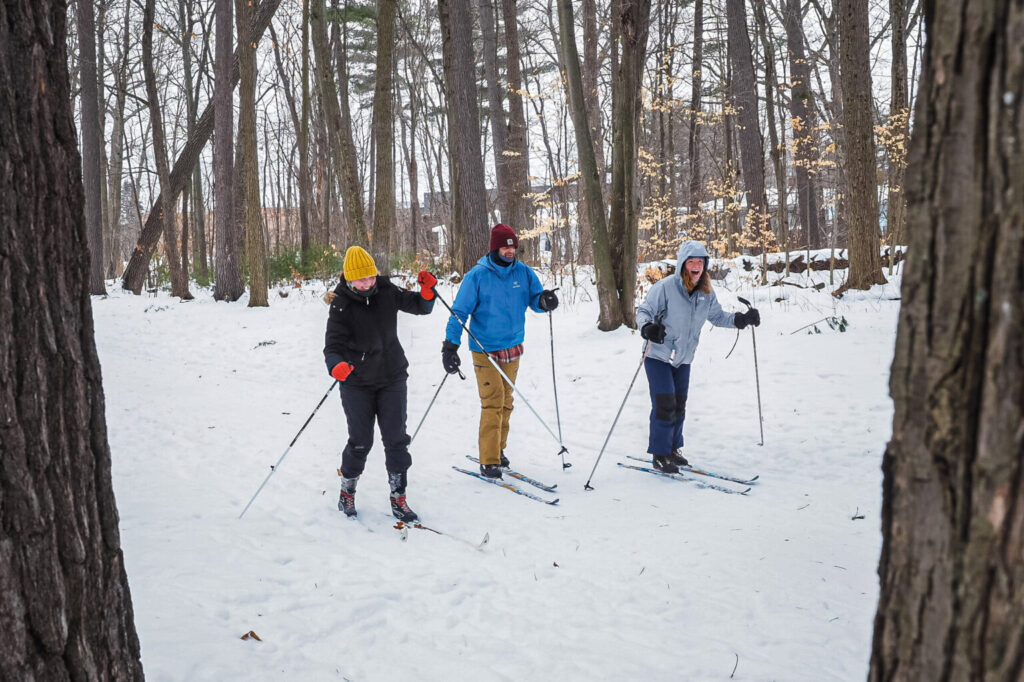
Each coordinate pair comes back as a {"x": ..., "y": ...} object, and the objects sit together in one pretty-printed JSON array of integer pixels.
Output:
[{"x": 683, "y": 313}]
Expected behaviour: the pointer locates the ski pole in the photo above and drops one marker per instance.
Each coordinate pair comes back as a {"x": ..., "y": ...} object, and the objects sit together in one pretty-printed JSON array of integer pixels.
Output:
[
  {"x": 281, "y": 459},
  {"x": 647, "y": 345},
  {"x": 554, "y": 383},
  {"x": 431, "y": 404},
  {"x": 565, "y": 465},
  {"x": 757, "y": 378}
]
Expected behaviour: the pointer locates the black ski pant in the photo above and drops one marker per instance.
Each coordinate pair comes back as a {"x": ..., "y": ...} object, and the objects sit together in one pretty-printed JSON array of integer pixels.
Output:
[{"x": 385, "y": 405}]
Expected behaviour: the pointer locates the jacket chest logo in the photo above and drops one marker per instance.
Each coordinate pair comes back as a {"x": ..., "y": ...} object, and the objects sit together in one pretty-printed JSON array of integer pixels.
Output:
[{"x": 515, "y": 284}]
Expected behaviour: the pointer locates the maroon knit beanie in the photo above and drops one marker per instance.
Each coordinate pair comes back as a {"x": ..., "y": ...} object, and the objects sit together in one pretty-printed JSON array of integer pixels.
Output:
[{"x": 503, "y": 235}]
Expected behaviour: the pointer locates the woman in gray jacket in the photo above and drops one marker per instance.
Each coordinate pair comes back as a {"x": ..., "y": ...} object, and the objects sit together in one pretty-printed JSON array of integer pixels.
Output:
[{"x": 670, "y": 318}]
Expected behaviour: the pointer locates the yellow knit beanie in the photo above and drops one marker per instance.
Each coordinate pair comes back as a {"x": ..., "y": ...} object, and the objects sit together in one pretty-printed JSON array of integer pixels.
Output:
[{"x": 358, "y": 264}]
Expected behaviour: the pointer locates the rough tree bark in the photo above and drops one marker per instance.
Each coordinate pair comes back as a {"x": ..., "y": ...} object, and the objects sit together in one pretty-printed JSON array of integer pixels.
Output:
[
  {"x": 633, "y": 19},
  {"x": 896, "y": 214},
  {"x": 384, "y": 134},
  {"x": 744, "y": 98},
  {"x": 609, "y": 309},
  {"x": 693, "y": 137},
  {"x": 92, "y": 141},
  {"x": 862, "y": 202},
  {"x": 65, "y": 607},
  {"x": 517, "y": 153},
  {"x": 469, "y": 229},
  {"x": 802, "y": 113},
  {"x": 227, "y": 263},
  {"x": 248, "y": 169},
  {"x": 495, "y": 109},
  {"x": 952, "y": 579}
]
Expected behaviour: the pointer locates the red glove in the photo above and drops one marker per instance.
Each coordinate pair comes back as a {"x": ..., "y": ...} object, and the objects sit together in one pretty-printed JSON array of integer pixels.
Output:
[
  {"x": 341, "y": 371},
  {"x": 427, "y": 282}
]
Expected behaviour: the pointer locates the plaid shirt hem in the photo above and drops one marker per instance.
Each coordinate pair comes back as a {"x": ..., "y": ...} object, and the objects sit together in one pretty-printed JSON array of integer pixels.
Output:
[{"x": 508, "y": 354}]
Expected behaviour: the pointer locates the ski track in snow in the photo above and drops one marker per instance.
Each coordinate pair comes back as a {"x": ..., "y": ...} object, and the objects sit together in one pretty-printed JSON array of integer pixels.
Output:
[{"x": 642, "y": 578}]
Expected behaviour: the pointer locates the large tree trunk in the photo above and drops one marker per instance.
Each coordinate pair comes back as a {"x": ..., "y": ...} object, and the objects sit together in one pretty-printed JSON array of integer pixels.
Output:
[
  {"x": 65, "y": 607},
  {"x": 112, "y": 237},
  {"x": 384, "y": 135},
  {"x": 693, "y": 139},
  {"x": 609, "y": 309},
  {"x": 341, "y": 147},
  {"x": 517, "y": 152},
  {"x": 92, "y": 141},
  {"x": 495, "y": 110},
  {"x": 898, "y": 119},
  {"x": 305, "y": 181},
  {"x": 862, "y": 202},
  {"x": 744, "y": 97},
  {"x": 179, "y": 277},
  {"x": 248, "y": 170},
  {"x": 633, "y": 23},
  {"x": 228, "y": 261},
  {"x": 802, "y": 114},
  {"x": 181, "y": 173},
  {"x": 469, "y": 229},
  {"x": 952, "y": 579}
]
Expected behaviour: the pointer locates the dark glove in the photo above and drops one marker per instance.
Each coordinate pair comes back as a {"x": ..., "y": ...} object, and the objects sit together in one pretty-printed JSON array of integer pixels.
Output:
[
  {"x": 547, "y": 301},
  {"x": 741, "y": 320},
  {"x": 341, "y": 371},
  {"x": 653, "y": 332},
  {"x": 450, "y": 357},
  {"x": 427, "y": 282}
]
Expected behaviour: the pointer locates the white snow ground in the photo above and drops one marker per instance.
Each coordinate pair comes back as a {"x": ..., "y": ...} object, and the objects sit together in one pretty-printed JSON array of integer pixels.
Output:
[{"x": 640, "y": 579}]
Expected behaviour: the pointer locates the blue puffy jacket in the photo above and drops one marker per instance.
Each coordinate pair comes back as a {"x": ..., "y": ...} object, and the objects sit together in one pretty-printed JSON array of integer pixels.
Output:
[
  {"x": 682, "y": 312},
  {"x": 494, "y": 299}
]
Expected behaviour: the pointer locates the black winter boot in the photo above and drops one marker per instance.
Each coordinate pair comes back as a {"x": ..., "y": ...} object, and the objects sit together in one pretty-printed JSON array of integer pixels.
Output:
[
  {"x": 504, "y": 460},
  {"x": 664, "y": 464},
  {"x": 399, "y": 507},
  {"x": 677, "y": 458},
  {"x": 347, "y": 500},
  {"x": 490, "y": 470}
]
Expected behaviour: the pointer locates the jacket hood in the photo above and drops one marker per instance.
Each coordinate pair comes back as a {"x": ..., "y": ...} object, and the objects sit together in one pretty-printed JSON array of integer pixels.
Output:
[{"x": 688, "y": 250}]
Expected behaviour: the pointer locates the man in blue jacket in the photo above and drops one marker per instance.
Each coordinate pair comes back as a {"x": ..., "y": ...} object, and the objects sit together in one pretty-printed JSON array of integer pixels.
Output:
[{"x": 494, "y": 297}]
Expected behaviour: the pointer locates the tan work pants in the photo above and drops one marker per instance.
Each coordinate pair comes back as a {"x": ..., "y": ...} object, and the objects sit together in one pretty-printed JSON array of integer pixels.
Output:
[{"x": 495, "y": 406}]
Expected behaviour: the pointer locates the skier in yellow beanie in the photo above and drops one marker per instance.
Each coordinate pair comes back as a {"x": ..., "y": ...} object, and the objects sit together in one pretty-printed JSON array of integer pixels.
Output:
[
  {"x": 363, "y": 353},
  {"x": 359, "y": 264}
]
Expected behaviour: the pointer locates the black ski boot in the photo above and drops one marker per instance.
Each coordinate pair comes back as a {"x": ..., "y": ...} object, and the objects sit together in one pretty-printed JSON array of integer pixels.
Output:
[
  {"x": 664, "y": 464},
  {"x": 504, "y": 460},
  {"x": 399, "y": 507},
  {"x": 347, "y": 500},
  {"x": 490, "y": 470},
  {"x": 677, "y": 458}
]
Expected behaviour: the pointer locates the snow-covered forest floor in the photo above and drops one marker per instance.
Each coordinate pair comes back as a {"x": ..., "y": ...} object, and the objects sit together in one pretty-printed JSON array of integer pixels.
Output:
[{"x": 641, "y": 578}]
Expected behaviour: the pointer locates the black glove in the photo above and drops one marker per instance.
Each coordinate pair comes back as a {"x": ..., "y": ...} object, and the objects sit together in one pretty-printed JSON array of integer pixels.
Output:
[
  {"x": 741, "y": 320},
  {"x": 450, "y": 357},
  {"x": 653, "y": 332},
  {"x": 548, "y": 301}
]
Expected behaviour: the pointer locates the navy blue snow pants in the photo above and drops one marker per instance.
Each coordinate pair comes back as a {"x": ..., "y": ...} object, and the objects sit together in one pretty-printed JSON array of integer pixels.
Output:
[{"x": 669, "y": 386}]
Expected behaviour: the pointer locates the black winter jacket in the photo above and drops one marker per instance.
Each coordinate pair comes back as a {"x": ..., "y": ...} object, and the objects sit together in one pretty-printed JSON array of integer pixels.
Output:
[{"x": 363, "y": 331}]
